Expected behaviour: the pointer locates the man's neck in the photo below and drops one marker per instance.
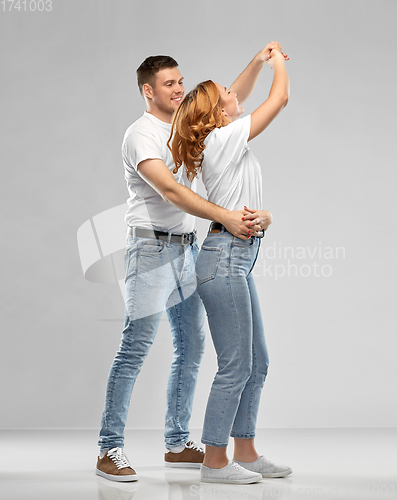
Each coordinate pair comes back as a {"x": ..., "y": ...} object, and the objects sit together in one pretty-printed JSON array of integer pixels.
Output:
[{"x": 160, "y": 115}]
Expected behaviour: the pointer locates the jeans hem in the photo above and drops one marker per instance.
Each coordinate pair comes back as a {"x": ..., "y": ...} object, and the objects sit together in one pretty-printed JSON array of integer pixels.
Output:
[
  {"x": 110, "y": 447},
  {"x": 175, "y": 445},
  {"x": 242, "y": 436},
  {"x": 212, "y": 443}
]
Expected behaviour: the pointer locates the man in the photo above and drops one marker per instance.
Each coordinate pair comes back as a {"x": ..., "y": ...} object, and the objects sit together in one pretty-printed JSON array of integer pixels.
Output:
[{"x": 160, "y": 258}]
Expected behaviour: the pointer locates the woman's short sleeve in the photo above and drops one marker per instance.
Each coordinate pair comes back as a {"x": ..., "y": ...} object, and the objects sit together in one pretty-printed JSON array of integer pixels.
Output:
[{"x": 234, "y": 138}]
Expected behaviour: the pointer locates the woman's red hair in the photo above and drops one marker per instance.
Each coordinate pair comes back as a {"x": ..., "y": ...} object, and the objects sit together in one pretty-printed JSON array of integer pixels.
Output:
[{"x": 198, "y": 114}]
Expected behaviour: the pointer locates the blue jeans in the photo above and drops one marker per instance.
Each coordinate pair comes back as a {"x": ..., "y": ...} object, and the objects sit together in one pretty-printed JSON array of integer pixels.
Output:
[
  {"x": 227, "y": 288},
  {"x": 158, "y": 275}
]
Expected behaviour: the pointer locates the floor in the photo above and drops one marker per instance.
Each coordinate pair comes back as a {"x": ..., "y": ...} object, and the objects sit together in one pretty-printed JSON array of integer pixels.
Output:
[{"x": 327, "y": 464}]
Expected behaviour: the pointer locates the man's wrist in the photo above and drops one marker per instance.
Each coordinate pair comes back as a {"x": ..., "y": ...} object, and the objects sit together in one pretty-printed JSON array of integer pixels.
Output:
[
  {"x": 261, "y": 57},
  {"x": 221, "y": 215}
]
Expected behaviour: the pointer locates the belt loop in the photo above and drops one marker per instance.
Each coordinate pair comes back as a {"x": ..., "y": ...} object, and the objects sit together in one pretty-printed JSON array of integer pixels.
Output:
[
  {"x": 169, "y": 239},
  {"x": 133, "y": 232}
]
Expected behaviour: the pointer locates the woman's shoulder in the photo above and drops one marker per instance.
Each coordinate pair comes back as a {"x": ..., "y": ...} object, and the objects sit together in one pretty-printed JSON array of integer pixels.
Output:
[{"x": 238, "y": 129}]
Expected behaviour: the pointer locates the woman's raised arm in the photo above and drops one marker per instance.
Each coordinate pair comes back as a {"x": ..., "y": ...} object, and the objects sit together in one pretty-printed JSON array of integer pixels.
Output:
[{"x": 278, "y": 96}]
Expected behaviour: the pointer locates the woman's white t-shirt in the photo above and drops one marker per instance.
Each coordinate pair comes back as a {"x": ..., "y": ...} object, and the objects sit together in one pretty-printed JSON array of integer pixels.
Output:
[{"x": 231, "y": 174}]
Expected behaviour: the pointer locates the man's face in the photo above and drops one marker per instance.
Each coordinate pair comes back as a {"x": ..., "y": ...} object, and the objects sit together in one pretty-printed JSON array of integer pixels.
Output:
[{"x": 168, "y": 90}]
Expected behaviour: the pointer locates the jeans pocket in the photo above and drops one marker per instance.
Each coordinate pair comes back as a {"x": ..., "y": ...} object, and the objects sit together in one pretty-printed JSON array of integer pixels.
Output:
[
  {"x": 207, "y": 263},
  {"x": 243, "y": 243},
  {"x": 150, "y": 246}
]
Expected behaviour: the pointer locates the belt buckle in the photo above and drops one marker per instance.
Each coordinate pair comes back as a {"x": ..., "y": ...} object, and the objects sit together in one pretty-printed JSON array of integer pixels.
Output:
[{"x": 189, "y": 237}]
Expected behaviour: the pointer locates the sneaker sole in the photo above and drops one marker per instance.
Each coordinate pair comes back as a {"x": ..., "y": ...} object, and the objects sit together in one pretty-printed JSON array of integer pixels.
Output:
[
  {"x": 277, "y": 474},
  {"x": 118, "y": 479},
  {"x": 231, "y": 481},
  {"x": 183, "y": 465}
]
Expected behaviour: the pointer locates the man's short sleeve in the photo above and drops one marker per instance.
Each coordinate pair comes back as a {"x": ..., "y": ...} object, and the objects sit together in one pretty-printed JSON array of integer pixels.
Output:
[{"x": 139, "y": 146}]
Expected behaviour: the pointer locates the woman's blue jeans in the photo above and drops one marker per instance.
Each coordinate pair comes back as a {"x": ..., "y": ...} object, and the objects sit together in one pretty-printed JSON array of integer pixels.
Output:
[
  {"x": 158, "y": 275},
  {"x": 227, "y": 288}
]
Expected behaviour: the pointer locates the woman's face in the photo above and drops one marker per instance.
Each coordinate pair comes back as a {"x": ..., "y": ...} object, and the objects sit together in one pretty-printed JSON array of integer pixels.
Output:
[{"x": 230, "y": 106}]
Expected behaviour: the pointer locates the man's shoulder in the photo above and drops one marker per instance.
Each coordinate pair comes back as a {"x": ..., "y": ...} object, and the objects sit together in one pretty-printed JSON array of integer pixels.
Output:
[
  {"x": 147, "y": 129},
  {"x": 141, "y": 126}
]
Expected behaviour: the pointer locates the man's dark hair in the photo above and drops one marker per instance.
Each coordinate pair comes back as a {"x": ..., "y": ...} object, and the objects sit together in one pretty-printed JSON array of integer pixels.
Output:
[{"x": 146, "y": 72}]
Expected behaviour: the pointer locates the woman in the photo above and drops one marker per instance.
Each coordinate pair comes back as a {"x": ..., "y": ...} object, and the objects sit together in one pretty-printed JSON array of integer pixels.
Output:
[{"x": 209, "y": 137}]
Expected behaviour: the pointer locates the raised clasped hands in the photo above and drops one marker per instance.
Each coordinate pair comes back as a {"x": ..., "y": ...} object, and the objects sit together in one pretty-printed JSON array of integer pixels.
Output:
[{"x": 266, "y": 53}]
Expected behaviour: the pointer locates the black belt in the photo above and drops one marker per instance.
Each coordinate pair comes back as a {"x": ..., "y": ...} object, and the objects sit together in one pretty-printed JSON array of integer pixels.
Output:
[
  {"x": 183, "y": 239},
  {"x": 218, "y": 225}
]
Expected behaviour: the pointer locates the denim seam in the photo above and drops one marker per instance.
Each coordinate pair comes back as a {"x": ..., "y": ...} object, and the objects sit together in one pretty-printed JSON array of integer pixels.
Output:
[
  {"x": 180, "y": 375},
  {"x": 254, "y": 373},
  {"x": 256, "y": 257},
  {"x": 233, "y": 302},
  {"x": 133, "y": 282},
  {"x": 178, "y": 404}
]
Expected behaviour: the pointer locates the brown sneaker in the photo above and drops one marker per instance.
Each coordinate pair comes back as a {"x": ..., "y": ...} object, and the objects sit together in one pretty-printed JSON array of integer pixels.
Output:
[
  {"x": 115, "y": 466},
  {"x": 191, "y": 456}
]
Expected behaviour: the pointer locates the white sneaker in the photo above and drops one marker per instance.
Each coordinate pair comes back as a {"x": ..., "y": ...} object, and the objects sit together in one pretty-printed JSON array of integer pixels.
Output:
[
  {"x": 233, "y": 473},
  {"x": 266, "y": 467}
]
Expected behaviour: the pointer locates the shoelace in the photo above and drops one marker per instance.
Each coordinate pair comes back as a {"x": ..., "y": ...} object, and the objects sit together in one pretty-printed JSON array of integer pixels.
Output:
[
  {"x": 192, "y": 445},
  {"x": 237, "y": 466},
  {"x": 118, "y": 457}
]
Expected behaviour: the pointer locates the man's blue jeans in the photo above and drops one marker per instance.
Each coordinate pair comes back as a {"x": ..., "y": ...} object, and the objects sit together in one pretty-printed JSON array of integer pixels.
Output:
[
  {"x": 158, "y": 275},
  {"x": 227, "y": 288}
]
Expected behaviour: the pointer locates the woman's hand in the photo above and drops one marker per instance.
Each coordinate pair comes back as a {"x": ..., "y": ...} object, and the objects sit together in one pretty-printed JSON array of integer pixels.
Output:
[
  {"x": 265, "y": 54},
  {"x": 260, "y": 220},
  {"x": 275, "y": 55}
]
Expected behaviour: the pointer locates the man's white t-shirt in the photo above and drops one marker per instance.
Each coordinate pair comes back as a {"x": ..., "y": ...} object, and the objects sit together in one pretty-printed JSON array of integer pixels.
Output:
[
  {"x": 147, "y": 139},
  {"x": 231, "y": 174}
]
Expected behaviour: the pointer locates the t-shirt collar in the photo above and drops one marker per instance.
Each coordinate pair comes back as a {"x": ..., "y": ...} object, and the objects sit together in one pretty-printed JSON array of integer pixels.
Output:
[{"x": 166, "y": 126}]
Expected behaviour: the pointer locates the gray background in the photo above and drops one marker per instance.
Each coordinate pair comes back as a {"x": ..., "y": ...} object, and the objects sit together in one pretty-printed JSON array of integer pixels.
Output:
[{"x": 69, "y": 93}]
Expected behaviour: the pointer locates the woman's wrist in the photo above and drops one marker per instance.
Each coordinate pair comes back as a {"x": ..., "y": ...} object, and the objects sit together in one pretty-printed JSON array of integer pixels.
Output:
[{"x": 276, "y": 55}]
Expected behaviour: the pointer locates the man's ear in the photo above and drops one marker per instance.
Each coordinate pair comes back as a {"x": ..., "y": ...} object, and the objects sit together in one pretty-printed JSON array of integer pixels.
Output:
[{"x": 147, "y": 90}]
